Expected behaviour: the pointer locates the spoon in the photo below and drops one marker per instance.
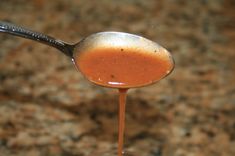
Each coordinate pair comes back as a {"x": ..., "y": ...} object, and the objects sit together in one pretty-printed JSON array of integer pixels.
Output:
[{"x": 95, "y": 56}]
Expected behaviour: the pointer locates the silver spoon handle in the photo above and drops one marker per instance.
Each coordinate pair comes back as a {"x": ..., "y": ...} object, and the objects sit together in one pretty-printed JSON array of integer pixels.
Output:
[{"x": 12, "y": 29}]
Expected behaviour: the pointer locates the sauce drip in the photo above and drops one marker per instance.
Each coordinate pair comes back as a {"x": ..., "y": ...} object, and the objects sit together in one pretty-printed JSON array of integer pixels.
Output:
[{"x": 121, "y": 120}]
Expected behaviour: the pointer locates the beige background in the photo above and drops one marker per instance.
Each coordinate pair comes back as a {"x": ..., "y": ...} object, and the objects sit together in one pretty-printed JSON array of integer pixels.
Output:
[{"x": 48, "y": 109}]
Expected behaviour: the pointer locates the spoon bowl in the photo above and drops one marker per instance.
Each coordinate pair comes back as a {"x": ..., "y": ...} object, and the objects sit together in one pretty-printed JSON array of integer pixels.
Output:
[{"x": 122, "y": 60}]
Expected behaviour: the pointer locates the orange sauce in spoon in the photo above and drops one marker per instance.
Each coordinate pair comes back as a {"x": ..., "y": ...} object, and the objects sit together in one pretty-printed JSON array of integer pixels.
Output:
[{"x": 123, "y": 68}]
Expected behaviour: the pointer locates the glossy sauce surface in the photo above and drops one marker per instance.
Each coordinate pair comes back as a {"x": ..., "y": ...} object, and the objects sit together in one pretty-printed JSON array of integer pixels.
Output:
[{"x": 123, "y": 68}]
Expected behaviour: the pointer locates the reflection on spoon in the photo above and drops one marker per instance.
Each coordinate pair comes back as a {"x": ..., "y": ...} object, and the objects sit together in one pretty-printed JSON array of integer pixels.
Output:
[{"x": 115, "y": 83}]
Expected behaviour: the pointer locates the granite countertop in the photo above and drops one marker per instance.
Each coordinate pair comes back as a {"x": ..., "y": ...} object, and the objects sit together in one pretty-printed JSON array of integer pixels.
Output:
[{"x": 47, "y": 108}]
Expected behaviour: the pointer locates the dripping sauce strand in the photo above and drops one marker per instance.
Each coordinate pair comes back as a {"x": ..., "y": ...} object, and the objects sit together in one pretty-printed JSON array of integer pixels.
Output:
[{"x": 121, "y": 121}]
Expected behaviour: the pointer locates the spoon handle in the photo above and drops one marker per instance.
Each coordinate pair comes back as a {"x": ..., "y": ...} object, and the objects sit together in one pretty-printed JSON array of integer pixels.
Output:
[{"x": 12, "y": 29}]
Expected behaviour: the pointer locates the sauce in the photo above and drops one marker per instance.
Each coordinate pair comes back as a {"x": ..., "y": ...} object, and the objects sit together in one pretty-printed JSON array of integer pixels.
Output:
[{"x": 123, "y": 68}]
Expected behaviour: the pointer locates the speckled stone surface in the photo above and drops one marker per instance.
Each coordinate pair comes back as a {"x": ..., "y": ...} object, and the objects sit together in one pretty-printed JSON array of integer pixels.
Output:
[{"x": 47, "y": 108}]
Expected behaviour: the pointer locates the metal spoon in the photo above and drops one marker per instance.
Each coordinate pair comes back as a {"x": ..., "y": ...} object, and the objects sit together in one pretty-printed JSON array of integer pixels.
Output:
[{"x": 94, "y": 41}]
